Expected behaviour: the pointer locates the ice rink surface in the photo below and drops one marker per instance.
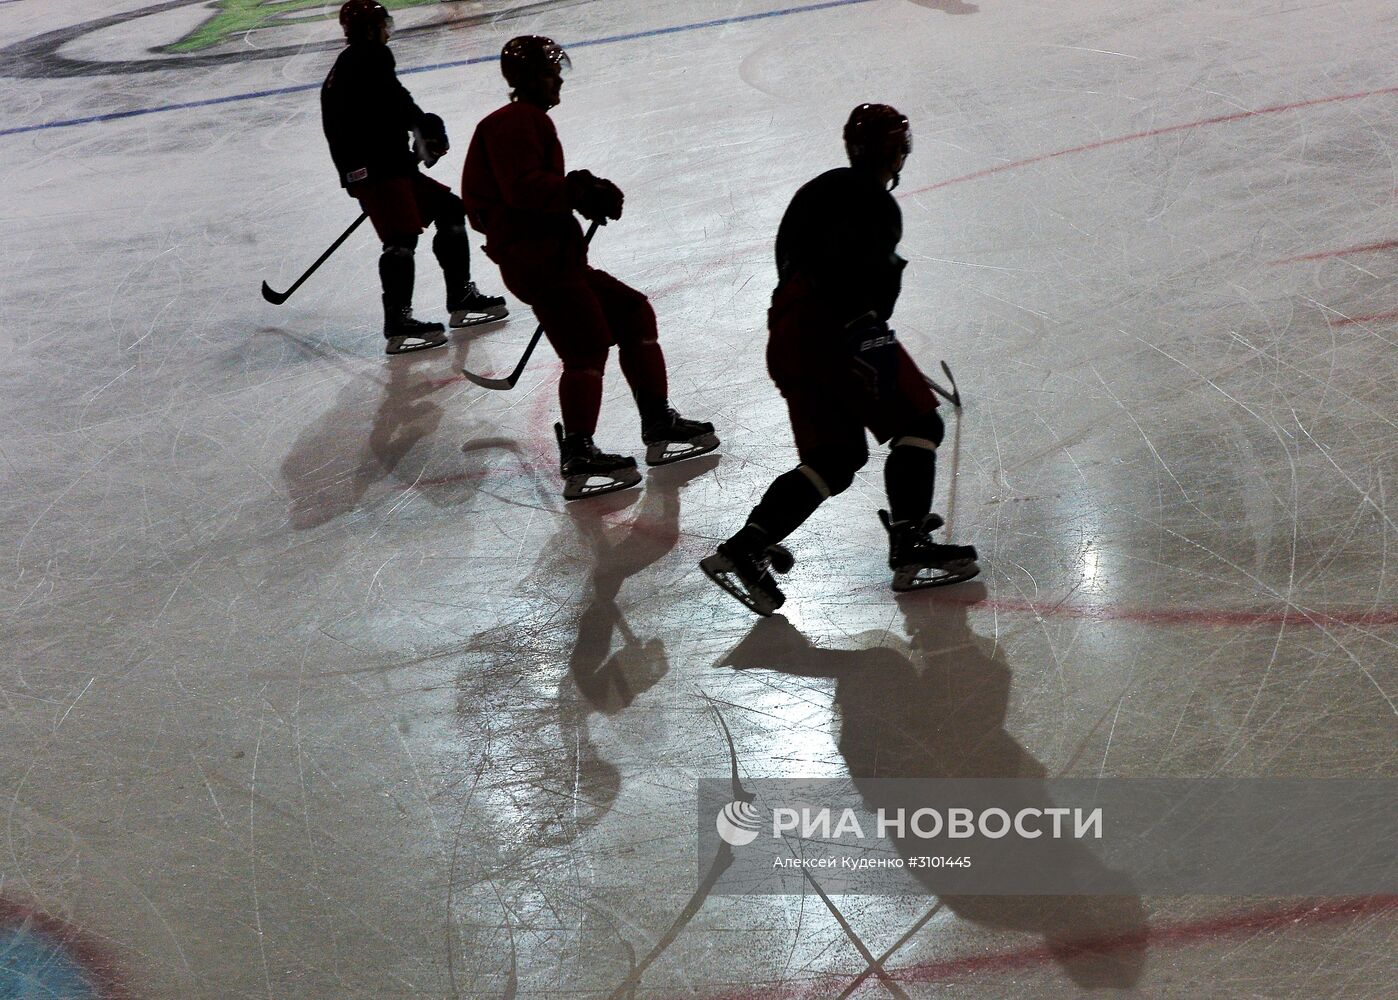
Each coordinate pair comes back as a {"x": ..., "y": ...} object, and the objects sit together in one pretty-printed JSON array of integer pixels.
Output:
[{"x": 314, "y": 688}]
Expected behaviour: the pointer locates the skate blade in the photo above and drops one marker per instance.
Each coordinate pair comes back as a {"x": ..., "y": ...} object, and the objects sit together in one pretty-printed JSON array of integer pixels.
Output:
[
  {"x": 408, "y": 344},
  {"x": 659, "y": 453},
  {"x": 921, "y": 577},
  {"x": 582, "y": 487},
  {"x": 718, "y": 569},
  {"x": 466, "y": 317}
]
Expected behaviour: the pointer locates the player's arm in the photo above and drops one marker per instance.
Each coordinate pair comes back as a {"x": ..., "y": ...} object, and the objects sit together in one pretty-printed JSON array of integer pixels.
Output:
[
  {"x": 885, "y": 281},
  {"x": 867, "y": 258},
  {"x": 396, "y": 99},
  {"x": 430, "y": 142}
]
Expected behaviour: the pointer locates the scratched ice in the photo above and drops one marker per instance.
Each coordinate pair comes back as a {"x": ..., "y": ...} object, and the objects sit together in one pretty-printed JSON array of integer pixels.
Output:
[{"x": 312, "y": 685}]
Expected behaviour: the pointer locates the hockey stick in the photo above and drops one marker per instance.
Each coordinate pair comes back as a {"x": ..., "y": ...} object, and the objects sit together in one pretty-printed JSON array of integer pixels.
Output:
[
  {"x": 277, "y": 298},
  {"x": 954, "y": 396},
  {"x": 509, "y": 381}
]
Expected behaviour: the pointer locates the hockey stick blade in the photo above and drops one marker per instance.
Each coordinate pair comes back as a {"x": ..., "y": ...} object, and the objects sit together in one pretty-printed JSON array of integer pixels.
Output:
[
  {"x": 274, "y": 297},
  {"x": 277, "y": 298},
  {"x": 952, "y": 396},
  {"x": 488, "y": 383},
  {"x": 955, "y": 392},
  {"x": 509, "y": 381}
]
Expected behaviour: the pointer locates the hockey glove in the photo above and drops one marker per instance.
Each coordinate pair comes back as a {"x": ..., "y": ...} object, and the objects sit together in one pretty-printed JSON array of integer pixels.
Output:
[
  {"x": 430, "y": 142},
  {"x": 609, "y": 199},
  {"x": 873, "y": 351},
  {"x": 594, "y": 198}
]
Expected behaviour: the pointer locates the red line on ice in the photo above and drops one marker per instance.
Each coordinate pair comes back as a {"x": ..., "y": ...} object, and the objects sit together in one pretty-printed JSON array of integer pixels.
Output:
[
  {"x": 1216, "y": 120},
  {"x": 1322, "y": 255},
  {"x": 1371, "y": 318},
  {"x": 541, "y": 463},
  {"x": 1162, "y": 617},
  {"x": 1038, "y": 956},
  {"x": 1218, "y": 617}
]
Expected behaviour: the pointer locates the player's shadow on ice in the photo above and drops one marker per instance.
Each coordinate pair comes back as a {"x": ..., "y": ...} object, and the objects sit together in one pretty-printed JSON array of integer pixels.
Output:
[
  {"x": 936, "y": 709},
  {"x": 602, "y": 677},
  {"x": 336, "y": 460},
  {"x": 611, "y": 678}
]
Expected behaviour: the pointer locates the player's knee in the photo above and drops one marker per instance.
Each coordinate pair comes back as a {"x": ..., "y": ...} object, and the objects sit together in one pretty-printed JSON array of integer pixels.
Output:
[
  {"x": 403, "y": 246},
  {"x": 831, "y": 476},
  {"x": 451, "y": 216},
  {"x": 926, "y": 432},
  {"x": 817, "y": 481},
  {"x": 590, "y": 363},
  {"x": 451, "y": 207},
  {"x": 637, "y": 322},
  {"x": 451, "y": 240}
]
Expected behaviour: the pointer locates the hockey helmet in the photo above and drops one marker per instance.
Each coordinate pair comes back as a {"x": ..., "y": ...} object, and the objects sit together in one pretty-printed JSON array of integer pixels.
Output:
[
  {"x": 361, "y": 19},
  {"x": 526, "y": 58},
  {"x": 877, "y": 135}
]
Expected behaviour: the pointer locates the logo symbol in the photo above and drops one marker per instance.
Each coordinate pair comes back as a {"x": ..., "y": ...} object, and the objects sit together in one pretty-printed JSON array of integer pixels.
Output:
[
  {"x": 739, "y": 823},
  {"x": 220, "y": 39}
]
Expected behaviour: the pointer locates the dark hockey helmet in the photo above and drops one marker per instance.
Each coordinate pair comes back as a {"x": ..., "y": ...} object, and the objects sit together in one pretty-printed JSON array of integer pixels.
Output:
[
  {"x": 876, "y": 135},
  {"x": 362, "y": 19},
  {"x": 526, "y": 58}
]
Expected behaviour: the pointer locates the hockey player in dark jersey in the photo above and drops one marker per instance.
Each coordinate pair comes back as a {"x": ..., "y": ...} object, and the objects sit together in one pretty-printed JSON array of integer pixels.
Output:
[
  {"x": 517, "y": 193},
  {"x": 368, "y": 116},
  {"x": 841, "y": 370}
]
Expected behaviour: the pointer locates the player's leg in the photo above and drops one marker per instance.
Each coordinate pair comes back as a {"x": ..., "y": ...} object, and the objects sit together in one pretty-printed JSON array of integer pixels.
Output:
[
  {"x": 392, "y": 208},
  {"x": 830, "y": 444},
  {"x": 631, "y": 326},
  {"x": 910, "y": 423},
  {"x": 452, "y": 247},
  {"x": 668, "y": 436},
  {"x": 576, "y": 328},
  {"x": 574, "y": 323}
]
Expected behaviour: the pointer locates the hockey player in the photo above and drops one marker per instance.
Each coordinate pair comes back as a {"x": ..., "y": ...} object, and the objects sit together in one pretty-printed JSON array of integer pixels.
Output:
[
  {"x": 841, "y": 369},
  {"x": 367, "y": 115},
  {"x": 517, "y": 193}
]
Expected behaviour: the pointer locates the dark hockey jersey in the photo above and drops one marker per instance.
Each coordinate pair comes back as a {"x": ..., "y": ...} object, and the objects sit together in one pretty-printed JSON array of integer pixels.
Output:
[
  {"x": 839, "y": 236},
  {"x": 513, "y": 182},
  {"x": 367, "y": 115}
]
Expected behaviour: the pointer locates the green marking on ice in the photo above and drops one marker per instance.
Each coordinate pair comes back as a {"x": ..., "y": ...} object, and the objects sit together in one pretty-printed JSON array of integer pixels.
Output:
[{"x": 234, "y": 17}]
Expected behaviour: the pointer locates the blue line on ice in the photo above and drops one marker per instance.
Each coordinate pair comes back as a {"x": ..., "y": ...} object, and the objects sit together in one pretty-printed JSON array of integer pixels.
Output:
[{"x": 302, "y": 87}]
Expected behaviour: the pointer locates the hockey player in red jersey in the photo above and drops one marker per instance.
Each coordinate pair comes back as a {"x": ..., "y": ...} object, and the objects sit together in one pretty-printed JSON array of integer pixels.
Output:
[
  {"x": 841, "y": 369},
  {"x": 517, "y": 193},
  {"x": 368, "y": 115}
]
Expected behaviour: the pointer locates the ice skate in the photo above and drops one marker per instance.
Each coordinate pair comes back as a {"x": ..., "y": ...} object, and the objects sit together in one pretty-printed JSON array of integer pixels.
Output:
[
  {"x": 672, "y": 438},
  {"x": 471, "y": 307},
  {"x": 748, "y": 576},
  {"x": 588, "y": 472},
  {"x": 406, "y": 334},
  {"x": 919, "y": 562}
]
